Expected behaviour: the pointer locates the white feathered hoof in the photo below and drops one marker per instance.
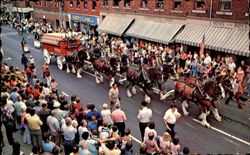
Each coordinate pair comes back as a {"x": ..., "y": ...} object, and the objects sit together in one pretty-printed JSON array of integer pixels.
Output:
[
  {"x": 97, "y": 81},
  {"x": 78, "y": 75},
  {"x": 206, "y": 124},
  {"x": 67, "y": 70},
  {"x": 133, "y": 90},
  {"x": 112, "y": 81},
  {"x": 147, "y": 99},
  {"x": 185, "y": 104},
  {"x": 186, "y": 113},
  {"x": 101, "y": 79},
  {"x": 128, "y": 93},
  {"x": 200, "y": 116},
  {"x": 73, "y": 69}
]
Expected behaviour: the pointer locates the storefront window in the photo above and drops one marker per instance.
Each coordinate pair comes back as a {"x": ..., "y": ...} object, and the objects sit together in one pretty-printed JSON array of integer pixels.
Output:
[
  {"x": 93, "y": 5},
  {"x": 160, "y": 4},
  {"x": 127, "y": 3},
  {"x": 200, "y": 4},
  {"x": 178, "y": 4},
  {"x": 105, "y": 2},
  {"x": 78, "y": 3},
  {"x": 225, "y": 5},
  {"x": 71, "y": 4},
  {"x": 85, "y": 4},
  {"x": 144, "y": 3},
  {"x": 116, "y": 2}
]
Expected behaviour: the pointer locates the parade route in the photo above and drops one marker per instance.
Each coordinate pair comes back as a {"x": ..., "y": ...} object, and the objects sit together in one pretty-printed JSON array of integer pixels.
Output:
[{"x": 228, "y": 136}]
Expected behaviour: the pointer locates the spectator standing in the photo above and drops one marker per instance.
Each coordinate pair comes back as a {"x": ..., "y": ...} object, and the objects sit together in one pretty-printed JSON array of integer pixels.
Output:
[
  {"x": 8, "y": 119},
  {"x": 194, "y": 66},
  {"x": 24, "y": 61},
  {"x": 106, "y": 115},
  {"x": 175, "y": 146},
  {"x": 53, "y": 86},
  {"x": 44, "y": 113},
  {"x": 18, "y": 105},
  {"x": 93, "y": 112},
  {"x": 35, "y": 124},
  {"x": 54, "y": 128},
  {"x": 119, "y": 119},
  {"x": 150, "y": 128},
  {"x": 207, "y": 59},
  {"x": 170, "y": 118},
  {"x": 144, "y": 116},
  {"x": 113, "y": 96},
  {"x": 69, "y": 133},
  {"x": 48, "y": 76},
  {"x": 151, "y": 144},
  {"x": 14, "y": 95},
  {"x": 59, "y": 113},
  {"x": 44, "y": 68},
  {"x": 26, "y": 133}
]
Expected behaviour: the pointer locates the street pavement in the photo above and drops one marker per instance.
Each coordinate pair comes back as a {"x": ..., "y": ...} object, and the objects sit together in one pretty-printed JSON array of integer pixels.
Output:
[{"x": 231, "y": 136}]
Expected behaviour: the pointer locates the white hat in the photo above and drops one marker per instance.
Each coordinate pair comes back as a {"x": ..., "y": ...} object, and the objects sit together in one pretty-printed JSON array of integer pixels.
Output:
[
  {"x": 105, "y": 105},
  {"x": 56, "y": 104}
]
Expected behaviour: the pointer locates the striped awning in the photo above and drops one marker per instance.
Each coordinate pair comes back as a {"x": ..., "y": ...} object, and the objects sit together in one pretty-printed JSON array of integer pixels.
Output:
[
  {"x": 234, "y": 41},
  {"x": 154, "y": 31},
  {"x": 191, "y": 35},
  {"x": 114, "y": 25}
]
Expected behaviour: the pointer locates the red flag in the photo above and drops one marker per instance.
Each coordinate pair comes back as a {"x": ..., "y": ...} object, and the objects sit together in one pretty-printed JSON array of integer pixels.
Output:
[{"x": 202, "y": 45}]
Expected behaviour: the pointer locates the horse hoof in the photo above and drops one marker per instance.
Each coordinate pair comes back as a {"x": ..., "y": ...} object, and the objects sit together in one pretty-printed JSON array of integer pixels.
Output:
[
  {"x": 79, "y": 77},
  {"x": 207, "y": 125},
  {"x": 219, "y": 119},
  {"x": 186, "y": 114}
]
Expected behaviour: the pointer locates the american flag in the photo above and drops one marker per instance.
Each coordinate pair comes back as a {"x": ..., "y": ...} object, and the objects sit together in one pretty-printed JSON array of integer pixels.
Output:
[{"x": 202, "y": 45}]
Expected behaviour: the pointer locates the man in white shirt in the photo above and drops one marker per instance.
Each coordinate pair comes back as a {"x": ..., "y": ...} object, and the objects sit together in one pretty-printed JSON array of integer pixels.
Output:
[
  {"x": 144, "y": 117},
  {"x": 231, "y": 66},
  {"x": 69, "y": 136},
  {"x": 207, "y": 60},
  {"x": 170, "y": 118}
]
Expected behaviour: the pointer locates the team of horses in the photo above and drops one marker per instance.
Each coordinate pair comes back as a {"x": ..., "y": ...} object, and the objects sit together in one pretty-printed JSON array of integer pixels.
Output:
[{"x": 204, "y": 94}]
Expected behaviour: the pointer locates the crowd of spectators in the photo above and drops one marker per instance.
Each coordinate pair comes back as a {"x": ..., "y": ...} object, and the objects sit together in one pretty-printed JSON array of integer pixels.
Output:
[{"x": 51, "y": 123}]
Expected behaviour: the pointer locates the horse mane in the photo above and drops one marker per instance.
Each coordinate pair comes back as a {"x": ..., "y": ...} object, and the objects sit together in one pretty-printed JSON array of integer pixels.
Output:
[{"x": 208, "y": 85}]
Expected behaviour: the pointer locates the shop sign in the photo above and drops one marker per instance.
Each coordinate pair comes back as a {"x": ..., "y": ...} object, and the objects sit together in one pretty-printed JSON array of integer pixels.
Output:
[{"x": 84, "y": 19}]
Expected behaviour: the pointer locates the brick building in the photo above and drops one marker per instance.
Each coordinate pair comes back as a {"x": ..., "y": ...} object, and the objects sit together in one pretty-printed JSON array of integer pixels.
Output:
[{"x": 162, "y": 21}]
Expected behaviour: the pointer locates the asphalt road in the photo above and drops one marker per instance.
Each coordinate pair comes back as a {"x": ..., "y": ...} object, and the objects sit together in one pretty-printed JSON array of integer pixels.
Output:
[{"x": 232, "y": 135}]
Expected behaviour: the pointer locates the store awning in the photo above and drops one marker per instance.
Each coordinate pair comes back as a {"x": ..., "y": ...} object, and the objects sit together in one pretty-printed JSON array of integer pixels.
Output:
[
  {"x": 154, "y": 31},
  {"x": 191, "y": 35},
  {"x": 114, "y": 25},
  {"x": 234, "y": 41}
]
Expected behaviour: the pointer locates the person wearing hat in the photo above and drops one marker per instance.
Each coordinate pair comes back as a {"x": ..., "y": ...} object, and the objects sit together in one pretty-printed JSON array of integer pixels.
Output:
[
  {"x": 106, "y": 114},
  {"x": 60, "y": 113},
  {"x": 119, "y": 118}
]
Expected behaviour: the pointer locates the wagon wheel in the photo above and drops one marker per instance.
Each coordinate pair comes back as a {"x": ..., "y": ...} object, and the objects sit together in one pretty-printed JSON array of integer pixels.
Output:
[
  {"x": 46, "y": 56},
  {"x": 59, "y": 62}
]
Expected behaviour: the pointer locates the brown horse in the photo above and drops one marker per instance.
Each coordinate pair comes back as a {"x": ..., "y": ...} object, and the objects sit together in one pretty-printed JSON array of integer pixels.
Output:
[
  {"x": 188, "y": 93},
  {"x": 157, "y": 77},
  {"x": 227, "y": 83}
]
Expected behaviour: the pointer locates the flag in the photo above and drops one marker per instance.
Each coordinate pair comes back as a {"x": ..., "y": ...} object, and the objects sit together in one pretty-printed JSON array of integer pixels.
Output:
[{"x": 202, "y": 45}]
